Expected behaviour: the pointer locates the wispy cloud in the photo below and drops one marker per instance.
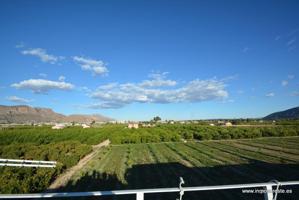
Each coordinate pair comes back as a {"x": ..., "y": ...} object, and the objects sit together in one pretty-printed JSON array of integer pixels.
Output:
[
  {"x": 20, "y": 45},
  {"x": 291, "y": 76},
  {"x": 97, "y": 67},
  {"x": 105, "y": 105},
  {"x": 245, "y": 49},
  {"x": 61, "y": 78},
  {"x": 277, "y": 38},
  {"x": 270, "y": 94},
  {"x": 158, "y": 80},
  {"x": 42, "y": 85},
  {"x": 290, "y": 39},
  {"x": 229, "y": 78},
  {"x": 42, "y": 55},
  {"x": 295, "y": 94},
  {"x": 18, "y": 99},
  {"x": 292, "y": 48},
  {"x": 293, "y": 32},
  {"x": 228, "y": 101},
  {"x": 291, "y": 42},
  {"x": 284, "y": 83},
  {"x": 116, "y": 95},
  {"x": 43, "y": 75},
  {"x": 84, "y": 89}
]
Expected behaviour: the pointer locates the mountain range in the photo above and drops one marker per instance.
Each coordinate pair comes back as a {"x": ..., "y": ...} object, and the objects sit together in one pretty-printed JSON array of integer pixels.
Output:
[
  {"x": 292, "y": 113},
  {"x": 22, "y": 114},
  {"x": 26, "y": 114}
]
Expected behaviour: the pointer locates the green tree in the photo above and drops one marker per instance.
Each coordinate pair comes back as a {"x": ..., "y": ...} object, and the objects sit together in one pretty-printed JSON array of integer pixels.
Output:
[{"x": 157, "y": 118}]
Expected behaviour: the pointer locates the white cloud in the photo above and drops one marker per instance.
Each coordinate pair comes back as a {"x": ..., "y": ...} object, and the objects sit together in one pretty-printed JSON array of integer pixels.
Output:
[
  {"x": 61, "y": 78},
  {"x": 42, "y": 85},
  {"x": 18, "y": 99},
  {"x": 43, "y": 55},
  {"x": 118, "y": 95},
  {"x": 158, "y": 80},
  {"x": 284, "y": 83},
  {"x": 270, "y": 94},
  {"x": 97, "y": 67}
]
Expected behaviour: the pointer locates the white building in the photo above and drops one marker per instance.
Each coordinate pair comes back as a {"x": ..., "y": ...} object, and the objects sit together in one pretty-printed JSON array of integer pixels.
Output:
[
  {"x": 133, "y": 125},
  {"x": 58, "y": 126},
  {"x": 85, "y": 126},
  {"x": 228, "y": 124}
]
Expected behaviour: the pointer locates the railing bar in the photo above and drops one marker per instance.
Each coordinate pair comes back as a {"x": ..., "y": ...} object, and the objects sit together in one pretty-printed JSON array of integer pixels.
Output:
[
  {"x": 25, "y": 165},
  {"x": 250, "y": 185},
  {"x": 27, "y": 161},
  {"x": 157, "y": 190}
]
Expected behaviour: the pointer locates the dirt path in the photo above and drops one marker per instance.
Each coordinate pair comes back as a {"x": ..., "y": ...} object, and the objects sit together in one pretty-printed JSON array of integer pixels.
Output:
[{"x": 65, "y": 177}]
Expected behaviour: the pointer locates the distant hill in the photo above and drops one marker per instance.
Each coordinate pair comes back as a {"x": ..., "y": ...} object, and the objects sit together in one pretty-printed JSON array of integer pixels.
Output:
[
  {"x": 26, "y": 114},
  {"x": 292, "y": 113},
  {"x": 87, "y": 118}
]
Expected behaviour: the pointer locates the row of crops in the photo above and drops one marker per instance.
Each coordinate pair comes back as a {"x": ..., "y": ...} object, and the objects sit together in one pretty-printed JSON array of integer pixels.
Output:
[
  {"x": 199, "y": 163},
  {"x": 69, "y": 145}
]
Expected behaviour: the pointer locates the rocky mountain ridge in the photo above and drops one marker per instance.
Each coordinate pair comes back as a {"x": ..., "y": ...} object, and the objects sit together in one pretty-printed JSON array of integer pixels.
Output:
[{"x": 25, "y": 114}]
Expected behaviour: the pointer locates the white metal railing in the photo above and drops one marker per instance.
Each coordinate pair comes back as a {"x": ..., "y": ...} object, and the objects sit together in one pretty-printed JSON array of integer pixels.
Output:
[
  {"x": 270, "y": 194},
  {"x": 27, "y": 163}
]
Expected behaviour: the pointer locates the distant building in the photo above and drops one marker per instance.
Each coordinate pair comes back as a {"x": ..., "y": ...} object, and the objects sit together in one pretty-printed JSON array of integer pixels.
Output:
[
  {"x": 133, "y": 125},
  {"x": 220, "y": 123},
  {"x": 228, "y": 124},
  {"x": 224, "y": 123},
  {"x": 85, "y": 126},
  {"x": 147, "y": 125},
  {"x": 58, "y": 126},
  {"x": 212, "y": 124}
]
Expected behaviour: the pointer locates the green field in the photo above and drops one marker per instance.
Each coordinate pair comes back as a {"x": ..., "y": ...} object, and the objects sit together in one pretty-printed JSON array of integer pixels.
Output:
[
  {"x": 200, "y": 163},
  {"x": 153, "y": 157}
]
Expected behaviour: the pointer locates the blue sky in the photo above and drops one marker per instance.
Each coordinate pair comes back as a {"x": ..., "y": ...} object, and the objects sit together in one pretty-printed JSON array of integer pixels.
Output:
[{"x": 138, "y": 59}]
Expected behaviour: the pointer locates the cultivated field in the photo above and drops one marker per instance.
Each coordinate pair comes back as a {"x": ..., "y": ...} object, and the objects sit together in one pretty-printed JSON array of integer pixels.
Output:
[
  {"x": 152, "y": 157},
  {"x": 200, "y": 163}
]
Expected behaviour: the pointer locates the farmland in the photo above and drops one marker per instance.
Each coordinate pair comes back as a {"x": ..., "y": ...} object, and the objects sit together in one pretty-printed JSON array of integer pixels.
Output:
[
  {"x": 152, "y": 157},
  {"x": 200, "y": 163}
]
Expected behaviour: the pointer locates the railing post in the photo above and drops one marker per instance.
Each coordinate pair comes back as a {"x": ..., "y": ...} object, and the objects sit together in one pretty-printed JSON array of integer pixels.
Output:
[
  {"x": 268, "y": 195},
  {"x": 139, "y": 196}
]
